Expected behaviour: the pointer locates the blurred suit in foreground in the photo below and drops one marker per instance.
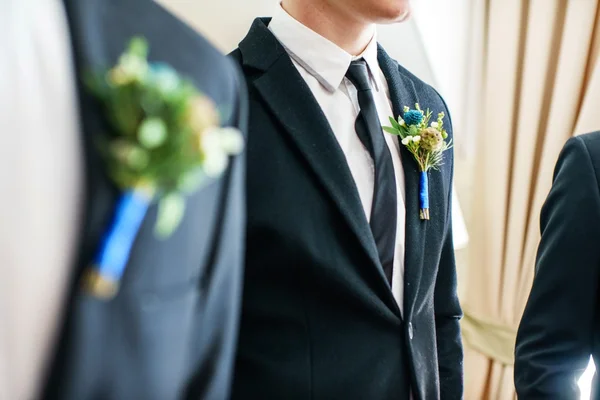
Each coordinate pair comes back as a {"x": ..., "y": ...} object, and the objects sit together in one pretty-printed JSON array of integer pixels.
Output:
[
  {"x": 170, "y": 332},
  {"x": 560, "y": 328}
]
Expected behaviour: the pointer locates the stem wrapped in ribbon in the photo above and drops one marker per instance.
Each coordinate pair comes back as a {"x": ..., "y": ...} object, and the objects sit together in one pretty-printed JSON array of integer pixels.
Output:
[
  {"x": 426, "y": 142},
  {"x": 113, "y": 254},
  {"x": 424, "y": 196}
]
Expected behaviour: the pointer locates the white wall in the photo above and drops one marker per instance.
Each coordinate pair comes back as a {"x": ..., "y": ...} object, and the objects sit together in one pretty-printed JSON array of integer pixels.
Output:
[{"x": 444, "y": 27}]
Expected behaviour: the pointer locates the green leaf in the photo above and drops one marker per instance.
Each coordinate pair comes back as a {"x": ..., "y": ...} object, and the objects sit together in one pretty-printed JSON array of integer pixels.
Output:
[
  {"x": 170, "y": 212},
  {"x": 136, "y": 157},
  {"x": 151, "y": 101},
  {"x": 394, "y": 123},
  {"x": 425, "y": 122},
  {"x": 123, "y": 107},
  {"x": 138, "y": 46},
  {"x": 152, "y": 133},
  {"x": 391, "y": 130}
]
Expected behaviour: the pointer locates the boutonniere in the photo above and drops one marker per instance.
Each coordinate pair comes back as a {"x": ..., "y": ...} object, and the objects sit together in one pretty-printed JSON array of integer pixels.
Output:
[
  {"x": 426, "y": 142},
  {"x": 165, "y": 139}
]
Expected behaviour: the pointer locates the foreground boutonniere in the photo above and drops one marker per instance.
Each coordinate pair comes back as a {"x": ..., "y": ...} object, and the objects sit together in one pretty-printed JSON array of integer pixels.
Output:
[
  {"x": 426, "y": 142},
  {"x": 164, "y": 141}
]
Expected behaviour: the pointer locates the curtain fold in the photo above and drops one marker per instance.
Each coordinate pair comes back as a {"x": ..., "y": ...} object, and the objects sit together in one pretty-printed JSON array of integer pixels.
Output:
[{"x": 540, "y": 85}]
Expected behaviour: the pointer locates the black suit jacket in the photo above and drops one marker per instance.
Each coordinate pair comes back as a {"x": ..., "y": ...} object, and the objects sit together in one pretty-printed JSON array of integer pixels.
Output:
[
  {"x": 319, "y": 320},
  {"x": 560, "y": 328},
  {"x": 171, "y": 331}
]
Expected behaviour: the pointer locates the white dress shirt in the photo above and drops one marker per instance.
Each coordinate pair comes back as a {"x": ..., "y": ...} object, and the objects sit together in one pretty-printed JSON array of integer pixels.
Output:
[
  {"x": 40, "y": 187},
  {"x": 323, "y": 65}
]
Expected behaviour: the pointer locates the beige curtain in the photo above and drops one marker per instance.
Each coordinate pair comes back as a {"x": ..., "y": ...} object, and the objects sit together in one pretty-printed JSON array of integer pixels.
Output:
[{"x": 540, "y": 84}]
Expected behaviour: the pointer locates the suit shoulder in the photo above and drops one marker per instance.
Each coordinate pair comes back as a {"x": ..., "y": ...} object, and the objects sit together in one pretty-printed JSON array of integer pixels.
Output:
[
  {"x": 236, "y": 55},
  {"x": 419, "y": 84},
  {"x": 205, "y": 52},
  {"x": 427, "y": 94},
  {"x": 581, "y": 150},
  {"x": 214, "y": 74},
  {"x": 237, "y": 58},
  {"x": 101, "y": 29},
  {"x": 587, "y": 145},
  {"x": 579, "y": 157},
  {"x": 592, "y": 143}
]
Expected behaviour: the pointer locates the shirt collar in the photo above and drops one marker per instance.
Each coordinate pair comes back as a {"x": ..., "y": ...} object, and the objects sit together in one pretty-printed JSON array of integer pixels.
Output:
[
  {"x": 323, "y": 59},
  {"x": 370, "y": 56}
]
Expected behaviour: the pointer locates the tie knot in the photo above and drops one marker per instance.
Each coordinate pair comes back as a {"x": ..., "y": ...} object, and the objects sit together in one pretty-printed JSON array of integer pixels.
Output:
[{"x": 358, "y": 74}]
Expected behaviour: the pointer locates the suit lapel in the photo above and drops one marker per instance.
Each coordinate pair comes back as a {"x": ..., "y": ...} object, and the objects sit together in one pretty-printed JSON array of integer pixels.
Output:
[
  {"x": 295, "y": 107},
  {"x": 402, "y": 93}
]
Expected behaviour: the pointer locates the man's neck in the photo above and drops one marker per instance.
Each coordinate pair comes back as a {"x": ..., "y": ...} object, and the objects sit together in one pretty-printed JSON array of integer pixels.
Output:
[{"x": 351, "y": 35}]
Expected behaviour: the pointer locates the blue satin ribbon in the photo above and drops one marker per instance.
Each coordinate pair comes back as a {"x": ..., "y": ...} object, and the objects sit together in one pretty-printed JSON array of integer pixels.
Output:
[
  {"x": 118, "y": 240},
  {"x": 424, "y": 192}
]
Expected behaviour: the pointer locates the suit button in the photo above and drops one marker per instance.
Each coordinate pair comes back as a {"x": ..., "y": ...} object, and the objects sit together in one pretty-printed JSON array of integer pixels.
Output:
[{"x": 410, "y": 331}]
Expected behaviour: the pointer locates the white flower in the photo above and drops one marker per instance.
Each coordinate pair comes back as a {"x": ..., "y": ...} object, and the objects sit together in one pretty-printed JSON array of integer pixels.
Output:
[
  {"x": 215, "y": 164},
  {"x": 407, "y": 140},
  {"x": 217, "y": 145},
  {"x": 152, "y": 132},
  {"x": 232, "y": 140},
  {"x": 401, "y": 121},
  {"x": 215, "y": 161},
  {"x": 416, "y": 139},
  {"x": 434, "y": 125}
]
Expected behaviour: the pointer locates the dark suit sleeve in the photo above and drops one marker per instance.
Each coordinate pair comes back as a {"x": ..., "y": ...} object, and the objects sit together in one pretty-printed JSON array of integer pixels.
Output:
[
  {"x": 447, "y": 308},
  {"x": 555, "y": 335}
]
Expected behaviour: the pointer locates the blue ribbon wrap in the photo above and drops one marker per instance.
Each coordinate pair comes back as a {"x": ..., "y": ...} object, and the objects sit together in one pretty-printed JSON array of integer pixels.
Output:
[
  {"x": 424, "y": 192},
  {"x": 118, "y": 240}
]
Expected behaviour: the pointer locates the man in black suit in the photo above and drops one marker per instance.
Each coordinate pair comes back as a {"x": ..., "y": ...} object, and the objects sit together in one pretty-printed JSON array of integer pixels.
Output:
[
  {"x": 560, "y": 328},
  {"x": 171, "y": 330},
  {"x": 348, "y": 294}
]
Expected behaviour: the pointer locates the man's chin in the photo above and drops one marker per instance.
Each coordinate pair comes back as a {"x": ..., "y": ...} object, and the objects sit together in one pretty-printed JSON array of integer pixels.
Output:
[{"x": 394, "y": 16}]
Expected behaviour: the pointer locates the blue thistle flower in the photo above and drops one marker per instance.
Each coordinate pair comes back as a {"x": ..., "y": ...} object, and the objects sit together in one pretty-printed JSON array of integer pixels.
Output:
[{"x": 413, "y": 117}]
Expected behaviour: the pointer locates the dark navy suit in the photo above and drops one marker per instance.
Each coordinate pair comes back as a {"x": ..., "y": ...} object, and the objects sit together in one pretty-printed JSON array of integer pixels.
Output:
[
  {"x": 560, "y": 328},
  {"x": 319, "y": 320},
  {"x": 171, "y": 331}
]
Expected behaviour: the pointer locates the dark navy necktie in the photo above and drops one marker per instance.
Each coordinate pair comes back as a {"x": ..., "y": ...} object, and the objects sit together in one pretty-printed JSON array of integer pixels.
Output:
[{"x": 384, "y": 208}]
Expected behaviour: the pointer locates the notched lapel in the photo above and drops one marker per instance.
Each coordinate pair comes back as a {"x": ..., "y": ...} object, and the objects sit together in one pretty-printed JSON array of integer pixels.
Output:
[
  {"x": 297, "y": 110},
  {"x": 403, "y": 93},
  {"x": 299, "y": 113},
  {"x": 295, "y": 107}
]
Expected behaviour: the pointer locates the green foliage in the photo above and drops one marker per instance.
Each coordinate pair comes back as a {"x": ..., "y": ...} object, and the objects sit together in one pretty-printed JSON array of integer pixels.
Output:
[
  {"x": 155, "y": 140},
  {"x": 170, "y": 213},
  {"x": 148, "y": 107},
  {"x": 392, "y": 131},
  {"x": 425, "y": 140}
]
